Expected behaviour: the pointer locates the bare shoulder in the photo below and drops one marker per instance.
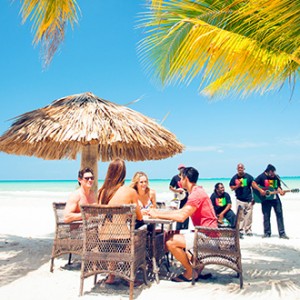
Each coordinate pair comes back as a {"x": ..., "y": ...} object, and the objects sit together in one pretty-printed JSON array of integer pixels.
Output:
[
  {"x": 130, "y": 193},
  {"x": 127, "y": 190},
  {"x": 73, "y": 202},
  {"x": 74, "y": 196},
  {"x": 152, "y": 192}
]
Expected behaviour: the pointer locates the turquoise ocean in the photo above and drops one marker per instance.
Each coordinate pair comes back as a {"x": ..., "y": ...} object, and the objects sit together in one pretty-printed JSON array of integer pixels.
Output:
[
  {"x": 31, "y": 201},
  {"x": 59, "y": 190}
]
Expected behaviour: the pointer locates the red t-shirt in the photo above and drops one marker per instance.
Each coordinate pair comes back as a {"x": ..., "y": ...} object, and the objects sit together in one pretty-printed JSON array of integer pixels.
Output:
[{"x": 204, "y": 214}]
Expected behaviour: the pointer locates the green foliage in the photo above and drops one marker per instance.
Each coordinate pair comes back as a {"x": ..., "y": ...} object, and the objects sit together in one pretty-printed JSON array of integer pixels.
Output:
[{"x": 235, "y": 46}]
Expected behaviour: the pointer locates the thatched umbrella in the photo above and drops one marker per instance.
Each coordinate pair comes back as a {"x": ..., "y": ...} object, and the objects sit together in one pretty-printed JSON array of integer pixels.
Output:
[{"x": 87, "y": 124}]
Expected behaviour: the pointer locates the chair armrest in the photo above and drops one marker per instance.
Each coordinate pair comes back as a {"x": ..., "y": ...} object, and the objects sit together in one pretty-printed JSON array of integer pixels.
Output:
[{"x": 70, "y": 223}]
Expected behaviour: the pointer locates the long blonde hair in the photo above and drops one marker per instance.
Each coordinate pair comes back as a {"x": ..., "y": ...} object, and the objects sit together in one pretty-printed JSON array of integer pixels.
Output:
[
  {"x": 114, "y": 179},
  {"x": 135, "y": 180}
]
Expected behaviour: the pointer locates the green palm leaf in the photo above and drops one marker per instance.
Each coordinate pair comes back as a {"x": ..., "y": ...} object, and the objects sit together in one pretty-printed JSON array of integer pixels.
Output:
[
  {"x": 49, "y": 19},
  {"x": 235, "y": 46}
]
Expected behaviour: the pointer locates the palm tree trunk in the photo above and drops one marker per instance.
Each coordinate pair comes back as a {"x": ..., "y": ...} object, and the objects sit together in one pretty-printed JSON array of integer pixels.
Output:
[{"x": 89, "y": 159}]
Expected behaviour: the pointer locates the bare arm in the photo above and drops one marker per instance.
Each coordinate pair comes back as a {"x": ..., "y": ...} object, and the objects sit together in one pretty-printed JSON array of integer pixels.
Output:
[
  {"x": 179, "y": 215},
  {"x": 281, "y": 191},
  {"x": 237, "y": 185},
  {"x": 174, "y": 190},
  {"x": 134, "y": 200},
  {"x": 255, "y": 186},
  {"x": 221, "y": 215},
  {"x": 153, "y": 198},
  {"x": 71, "y": 210}
]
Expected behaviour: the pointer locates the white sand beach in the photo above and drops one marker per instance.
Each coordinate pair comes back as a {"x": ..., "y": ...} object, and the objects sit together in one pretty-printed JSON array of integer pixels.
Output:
[{"x": 271, "y": 267}]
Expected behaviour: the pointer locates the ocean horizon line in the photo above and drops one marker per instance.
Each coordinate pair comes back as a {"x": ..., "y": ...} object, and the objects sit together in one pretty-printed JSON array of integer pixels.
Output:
[{"x": 150, "y": 179}]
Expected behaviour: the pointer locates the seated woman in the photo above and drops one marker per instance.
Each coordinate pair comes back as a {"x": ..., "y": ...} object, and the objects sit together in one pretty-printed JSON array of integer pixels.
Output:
[
  {"x": 113, "y": 192},
  {"x": 146, "y": 196},
  {"x": 222, "y": 204}
]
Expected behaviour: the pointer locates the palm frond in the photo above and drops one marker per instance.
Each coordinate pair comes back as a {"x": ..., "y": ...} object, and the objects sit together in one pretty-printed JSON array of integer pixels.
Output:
[
  {"x": 49, "y": 18},
  {"x": 235, "y": 46}
]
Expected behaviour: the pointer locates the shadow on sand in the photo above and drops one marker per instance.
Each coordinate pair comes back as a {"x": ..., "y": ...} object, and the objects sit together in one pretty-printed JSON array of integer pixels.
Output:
[
  {"x": 19, "y": 256},
  {"x": 267, "y": 267}
]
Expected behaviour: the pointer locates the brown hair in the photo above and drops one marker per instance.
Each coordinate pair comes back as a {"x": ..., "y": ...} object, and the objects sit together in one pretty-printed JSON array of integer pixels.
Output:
[
  {"x": 114, "y": 179},
  {"x": 135, "y": 180},
  {"x": 83, "y": 171}
]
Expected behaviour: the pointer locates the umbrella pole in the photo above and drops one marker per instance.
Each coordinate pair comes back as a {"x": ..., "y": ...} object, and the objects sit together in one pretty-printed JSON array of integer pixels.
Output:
[{"x": 89, "y": 159}]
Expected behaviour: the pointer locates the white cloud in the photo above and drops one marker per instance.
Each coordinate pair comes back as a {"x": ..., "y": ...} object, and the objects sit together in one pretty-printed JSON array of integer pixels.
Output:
[
  {"x": 246, "y": 145},
  {"x": 203, "y": 149},
  {"x": 290, "y": 141},
  {"x": 220, "y": 148}
]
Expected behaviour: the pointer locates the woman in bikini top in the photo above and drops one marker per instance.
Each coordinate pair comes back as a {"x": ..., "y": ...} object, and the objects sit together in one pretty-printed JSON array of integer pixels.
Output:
[{"x": 146, "y": 196}]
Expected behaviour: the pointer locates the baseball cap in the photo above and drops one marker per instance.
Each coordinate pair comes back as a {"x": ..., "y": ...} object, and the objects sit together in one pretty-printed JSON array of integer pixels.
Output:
[{"x": 181, "y": 166}]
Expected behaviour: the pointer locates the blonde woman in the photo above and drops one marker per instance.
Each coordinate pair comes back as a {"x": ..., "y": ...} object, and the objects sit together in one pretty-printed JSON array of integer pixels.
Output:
[{"x": 146, "y": 196}]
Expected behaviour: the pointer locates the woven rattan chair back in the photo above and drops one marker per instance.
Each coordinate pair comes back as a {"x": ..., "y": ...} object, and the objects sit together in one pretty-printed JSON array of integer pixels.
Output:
[
  {"x": 111, "y": 244},
  {"x": 68, "y": 237},
  {"x": 219, "y": 246},
  {"x": 155, "y": 250}
]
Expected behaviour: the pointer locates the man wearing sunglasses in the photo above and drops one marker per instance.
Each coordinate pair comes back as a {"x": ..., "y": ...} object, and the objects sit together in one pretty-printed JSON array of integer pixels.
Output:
[{"x": 83, "y": 195}]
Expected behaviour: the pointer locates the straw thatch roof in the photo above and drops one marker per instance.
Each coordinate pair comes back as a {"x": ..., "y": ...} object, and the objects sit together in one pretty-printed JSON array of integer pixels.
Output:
[{"x": 64, "y": 128}]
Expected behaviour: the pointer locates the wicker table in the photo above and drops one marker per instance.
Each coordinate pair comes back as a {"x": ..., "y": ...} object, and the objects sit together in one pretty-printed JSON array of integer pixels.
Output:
[{"x": 156, "y": 242}]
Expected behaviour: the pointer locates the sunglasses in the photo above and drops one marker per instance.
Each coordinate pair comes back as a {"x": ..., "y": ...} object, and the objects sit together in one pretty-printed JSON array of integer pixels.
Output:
[{"x": 88, "y": 178}]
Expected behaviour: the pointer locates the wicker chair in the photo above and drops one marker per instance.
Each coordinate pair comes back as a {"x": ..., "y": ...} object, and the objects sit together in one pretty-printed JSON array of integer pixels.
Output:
[
  {"x": 111, "y": 244},
  {"x": 220, "y": 246},
  {"x": 68, "y": 236}
]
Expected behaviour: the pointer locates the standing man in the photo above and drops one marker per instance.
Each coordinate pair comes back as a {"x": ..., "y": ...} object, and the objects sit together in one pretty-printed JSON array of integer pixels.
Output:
[
  {"x": 176, "y": 187},
  {"x": 241, "y": 183},
  {"x": 201, "y": 211},
  {"x": 269, "y": 181},
  {"x": 83, "y": 195},
  {"x": 221, "y": 202}
]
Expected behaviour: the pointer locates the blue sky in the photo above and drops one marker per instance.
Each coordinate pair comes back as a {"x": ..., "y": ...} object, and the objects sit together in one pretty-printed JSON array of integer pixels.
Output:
[{"x": 100, "y": 56}]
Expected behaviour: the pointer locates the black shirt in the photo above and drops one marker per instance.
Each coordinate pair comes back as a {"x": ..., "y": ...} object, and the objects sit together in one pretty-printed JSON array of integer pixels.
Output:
[
  {"x": 220, "y": 202},
  {"x": 268, "y": 183},
  {"x": 174, "y": 183},
  {"x": 244, "y": 192}
]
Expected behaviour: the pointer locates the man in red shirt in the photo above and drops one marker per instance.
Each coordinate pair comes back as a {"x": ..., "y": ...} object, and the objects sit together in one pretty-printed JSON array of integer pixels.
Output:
[{"x": 201, "y": 211}]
